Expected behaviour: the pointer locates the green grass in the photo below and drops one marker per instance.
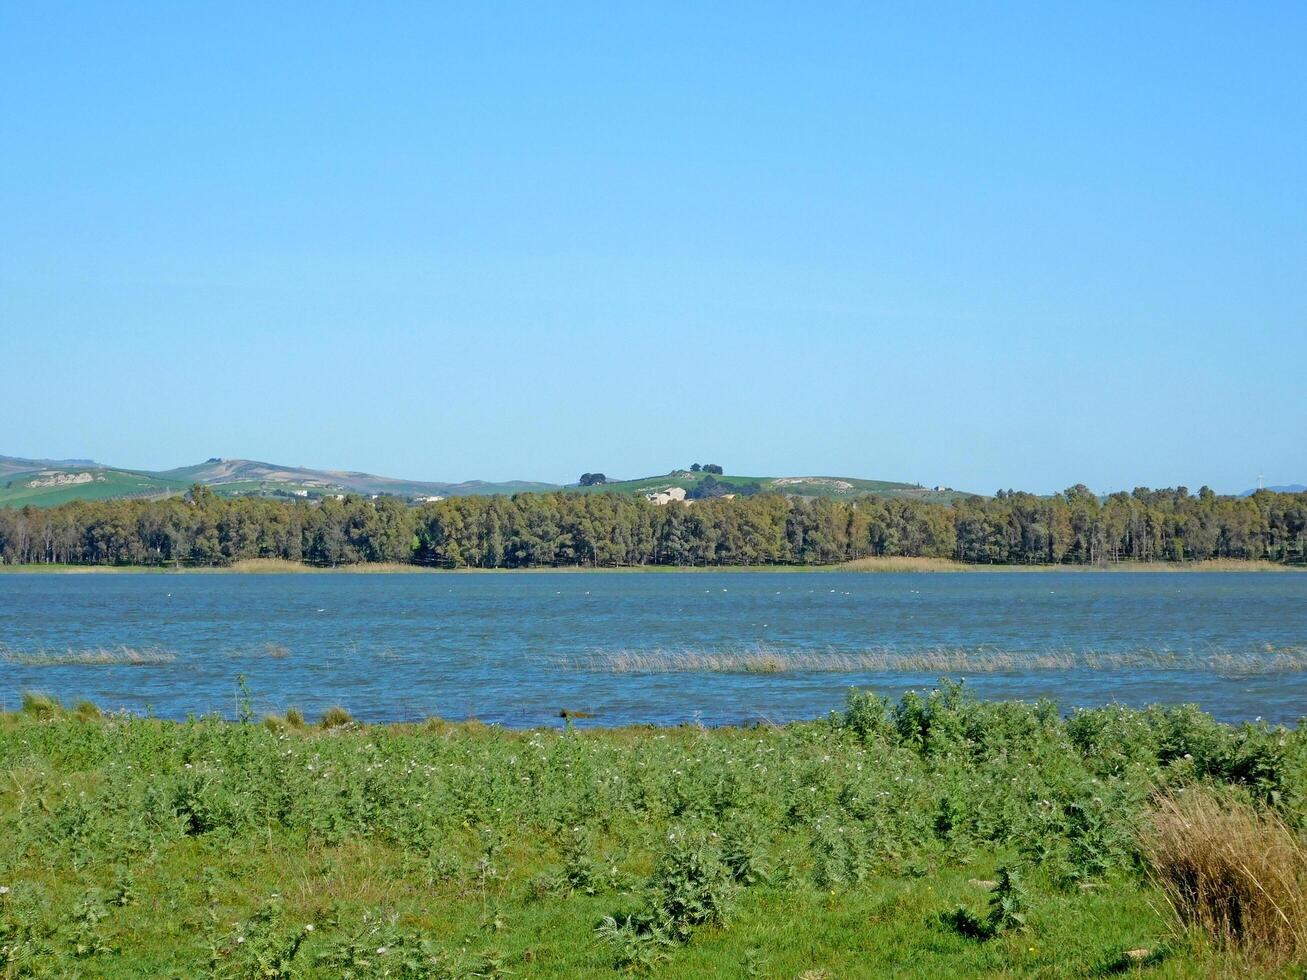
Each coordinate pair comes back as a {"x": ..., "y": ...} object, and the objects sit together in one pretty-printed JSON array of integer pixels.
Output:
[{"x": 842, "y": 848}]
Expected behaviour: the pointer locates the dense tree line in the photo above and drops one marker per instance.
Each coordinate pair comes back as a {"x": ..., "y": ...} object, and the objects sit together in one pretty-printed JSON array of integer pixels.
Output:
[
  {"x": 710, "y": 487},
  {"x": 607, "y": 530}
]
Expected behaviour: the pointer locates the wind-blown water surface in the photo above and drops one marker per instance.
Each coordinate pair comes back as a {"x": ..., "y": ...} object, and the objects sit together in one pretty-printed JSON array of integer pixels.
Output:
[{"x": 662, "y": 648}]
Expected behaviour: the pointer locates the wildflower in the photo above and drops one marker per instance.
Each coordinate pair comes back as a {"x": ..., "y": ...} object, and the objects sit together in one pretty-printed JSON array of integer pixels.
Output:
[
  {"x": 4, "y": 889},
  {"x": 382, "y": 950},
  {"x": 309, "y": 927}
]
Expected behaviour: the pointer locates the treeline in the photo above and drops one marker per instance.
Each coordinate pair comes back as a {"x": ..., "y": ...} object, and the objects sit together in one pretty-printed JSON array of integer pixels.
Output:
[
  {"x": 710, "y": 488},
  {"x": 610, "y": 530}
]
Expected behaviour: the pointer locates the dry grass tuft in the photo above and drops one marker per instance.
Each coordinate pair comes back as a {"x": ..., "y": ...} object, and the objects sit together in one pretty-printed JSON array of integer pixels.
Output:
[
  {"x": 38, "y": 704},
  {"x": 87, "y": 710},
  {"x": 1236, "y": 872},
  {"x": 336, "y": 717}
]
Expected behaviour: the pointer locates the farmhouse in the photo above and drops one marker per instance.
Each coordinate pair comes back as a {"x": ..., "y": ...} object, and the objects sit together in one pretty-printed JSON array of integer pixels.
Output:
[{"x": 660, "y": 497}]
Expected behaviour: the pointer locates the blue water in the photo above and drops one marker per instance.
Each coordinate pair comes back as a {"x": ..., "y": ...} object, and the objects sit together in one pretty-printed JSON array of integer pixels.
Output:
[{"x": 517, "y": 648}]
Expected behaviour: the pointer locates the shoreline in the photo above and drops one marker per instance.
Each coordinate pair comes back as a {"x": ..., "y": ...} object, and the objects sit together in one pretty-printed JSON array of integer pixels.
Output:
[
  {"x": 326, "y": 842},
  {"x": 275, "y": 566}
]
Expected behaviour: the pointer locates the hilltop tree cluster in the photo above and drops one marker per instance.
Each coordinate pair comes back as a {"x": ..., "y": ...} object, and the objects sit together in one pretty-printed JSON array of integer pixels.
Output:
[
  {"x": 710, "y": 487},
  {"x": 608, "y": 530}
]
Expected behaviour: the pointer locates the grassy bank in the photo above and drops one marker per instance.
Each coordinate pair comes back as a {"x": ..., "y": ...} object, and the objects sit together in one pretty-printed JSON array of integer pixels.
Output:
[
  {"x": 274, "y": 566},
  {"x": 935, "y": 837}
]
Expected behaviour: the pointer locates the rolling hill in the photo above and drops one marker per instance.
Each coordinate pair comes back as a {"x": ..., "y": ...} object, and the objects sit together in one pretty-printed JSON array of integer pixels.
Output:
[
  {"x": 53, "y": 482},
  {"x": 47, "y": 482},
  {"x": 240, "y": 475},
  {"x": 9, "y": 465},
  {"x": 843, "y": 487}
]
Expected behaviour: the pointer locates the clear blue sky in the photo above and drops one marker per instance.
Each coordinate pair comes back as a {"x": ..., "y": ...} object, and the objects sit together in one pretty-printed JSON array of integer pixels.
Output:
[{"x": 986, "y": 245}]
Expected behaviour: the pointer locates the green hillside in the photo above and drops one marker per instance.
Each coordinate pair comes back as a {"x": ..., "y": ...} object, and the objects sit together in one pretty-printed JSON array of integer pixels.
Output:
[
  {"x": 47, "y": 482},
  {"x": 840, "y": 487},
  {"x": 243, "y": 476},
  {"x": 11, "y": 466},
  {"x": 47, "y": 487}
]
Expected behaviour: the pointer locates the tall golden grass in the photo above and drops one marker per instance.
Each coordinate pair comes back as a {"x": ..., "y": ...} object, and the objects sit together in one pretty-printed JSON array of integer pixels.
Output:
[{"x": 1237, "y": 872}]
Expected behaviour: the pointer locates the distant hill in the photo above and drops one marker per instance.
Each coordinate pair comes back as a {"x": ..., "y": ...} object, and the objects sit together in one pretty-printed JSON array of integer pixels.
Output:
[
  {"x": 843, "y": 487},
  {"x": 54, "y": 482},
  {"x": 16, "y": 464},
  {"x": 236, "y": 475},
  {"x": 1286, "y": 488},
  {"x": 47, "y": 482}
]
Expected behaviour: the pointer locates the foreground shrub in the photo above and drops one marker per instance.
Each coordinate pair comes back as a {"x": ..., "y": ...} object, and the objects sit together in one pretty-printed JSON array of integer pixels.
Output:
[
  {"x": 1008, "y": 907},
  {"x": 380, "y": 948},
  {"x": 692, "y": 885},
  {"x": 1236, "y": 872}
]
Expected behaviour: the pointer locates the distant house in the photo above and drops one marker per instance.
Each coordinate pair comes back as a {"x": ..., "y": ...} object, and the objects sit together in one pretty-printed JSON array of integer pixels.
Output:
[
  {"x": 660, "y": 497},
  {"x": 427, "y": 500}
]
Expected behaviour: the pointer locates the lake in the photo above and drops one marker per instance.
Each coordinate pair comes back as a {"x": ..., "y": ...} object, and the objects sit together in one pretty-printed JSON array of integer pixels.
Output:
[{"x": 663, "y": 648}]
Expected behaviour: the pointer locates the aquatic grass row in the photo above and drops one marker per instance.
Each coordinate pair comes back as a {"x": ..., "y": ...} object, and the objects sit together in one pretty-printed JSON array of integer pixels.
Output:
[
  {"x": 774, "y": 660},
  {"x": 124, "y": 655},
  {"x": 937, "y": 661},
  {"x": 88, "y": 656}
]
